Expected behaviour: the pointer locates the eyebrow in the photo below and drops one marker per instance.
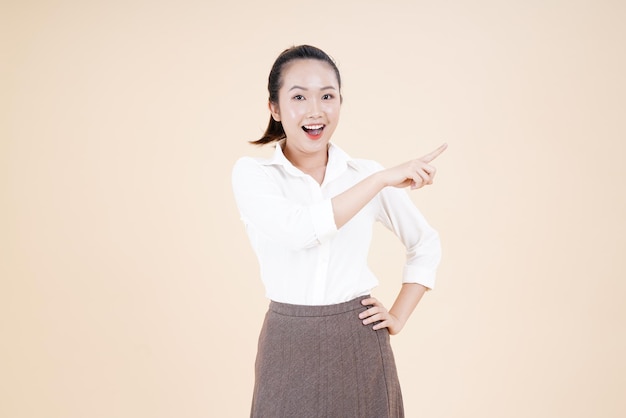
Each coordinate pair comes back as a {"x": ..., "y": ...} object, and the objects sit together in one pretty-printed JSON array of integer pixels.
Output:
[{"x": 305, "y": 89}]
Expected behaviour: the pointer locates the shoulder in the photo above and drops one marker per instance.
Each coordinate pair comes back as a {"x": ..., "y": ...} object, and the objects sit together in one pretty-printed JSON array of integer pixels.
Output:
[
  {"x": 249, "y": 164},
  {"x": 366, "y": 166},
  {"x": 246, "y": 169},
  {"x": 249, "y": 161},
  {"x": 361, "y": 165}
]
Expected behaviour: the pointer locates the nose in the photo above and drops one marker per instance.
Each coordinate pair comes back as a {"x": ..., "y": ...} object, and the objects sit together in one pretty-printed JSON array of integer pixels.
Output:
[{"x": 316, "y": 109}]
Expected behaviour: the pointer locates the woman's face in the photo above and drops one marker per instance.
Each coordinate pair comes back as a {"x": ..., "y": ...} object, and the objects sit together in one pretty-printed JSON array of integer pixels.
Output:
[{"x": 308, "y": 105}]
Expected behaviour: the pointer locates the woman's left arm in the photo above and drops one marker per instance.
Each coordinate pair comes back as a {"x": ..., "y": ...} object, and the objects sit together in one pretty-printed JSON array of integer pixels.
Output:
[
  {"x": 423, "y": 252},
  {"x": 395, "y": 318}
]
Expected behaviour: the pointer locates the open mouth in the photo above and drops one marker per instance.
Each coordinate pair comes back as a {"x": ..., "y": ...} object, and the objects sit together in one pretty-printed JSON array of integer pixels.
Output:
[{"x": 313, "y": 131}]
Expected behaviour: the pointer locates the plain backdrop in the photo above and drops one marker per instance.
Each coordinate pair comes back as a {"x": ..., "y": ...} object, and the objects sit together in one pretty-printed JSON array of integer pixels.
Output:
[{"x": 128, "y": 287}]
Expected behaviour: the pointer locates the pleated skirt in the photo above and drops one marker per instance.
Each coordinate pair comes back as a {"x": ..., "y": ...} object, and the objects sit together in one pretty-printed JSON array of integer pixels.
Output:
[{"x": 322, "y": 362}]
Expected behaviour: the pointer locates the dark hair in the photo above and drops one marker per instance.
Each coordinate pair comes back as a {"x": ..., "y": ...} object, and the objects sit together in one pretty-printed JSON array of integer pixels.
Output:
[{"x": 275, "y": 131}]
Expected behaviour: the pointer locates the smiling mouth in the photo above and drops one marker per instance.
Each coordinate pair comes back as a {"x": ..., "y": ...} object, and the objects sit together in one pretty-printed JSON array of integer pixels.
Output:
[{"x": 313, "y": 131}]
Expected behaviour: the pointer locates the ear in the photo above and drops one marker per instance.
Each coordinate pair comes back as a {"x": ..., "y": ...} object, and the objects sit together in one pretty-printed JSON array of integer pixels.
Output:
[{"x": 275, "y": 110}]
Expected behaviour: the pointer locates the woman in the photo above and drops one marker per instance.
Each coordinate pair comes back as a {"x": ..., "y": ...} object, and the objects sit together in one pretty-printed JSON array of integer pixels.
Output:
[{"x": 324, "y": 346}]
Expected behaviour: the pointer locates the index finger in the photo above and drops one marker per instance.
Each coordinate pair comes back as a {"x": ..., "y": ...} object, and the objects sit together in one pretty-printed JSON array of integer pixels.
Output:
[{"x": 431, "y": 156}]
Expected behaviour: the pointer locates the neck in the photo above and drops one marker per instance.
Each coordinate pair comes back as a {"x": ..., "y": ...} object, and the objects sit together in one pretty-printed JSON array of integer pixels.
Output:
[{"x": 306, "y": 161}]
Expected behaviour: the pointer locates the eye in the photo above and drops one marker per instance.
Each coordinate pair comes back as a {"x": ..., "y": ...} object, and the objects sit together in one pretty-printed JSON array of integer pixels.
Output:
[
  {"x": 298, "y": 97},
  {"x": 328, "y": 97}
]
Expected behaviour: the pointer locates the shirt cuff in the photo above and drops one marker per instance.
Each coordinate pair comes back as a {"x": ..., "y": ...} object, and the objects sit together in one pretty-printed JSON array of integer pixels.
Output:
[
  {"x": 323, "y": 220},
  {"x": 420, "y": 275}
]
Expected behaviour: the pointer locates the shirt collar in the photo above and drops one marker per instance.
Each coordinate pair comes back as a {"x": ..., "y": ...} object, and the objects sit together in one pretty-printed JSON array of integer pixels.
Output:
[{"x": 338, "y": 161}]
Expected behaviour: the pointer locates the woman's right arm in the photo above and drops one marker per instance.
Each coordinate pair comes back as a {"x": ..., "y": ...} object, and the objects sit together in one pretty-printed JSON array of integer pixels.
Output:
[
  {"x": 415, "y": 173},
  {"x": 264, "y": 208},
  {"x": 262, "y": 203}
]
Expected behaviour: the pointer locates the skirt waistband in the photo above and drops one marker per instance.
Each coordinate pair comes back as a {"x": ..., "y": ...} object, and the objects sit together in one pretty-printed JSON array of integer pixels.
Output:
[{"x": 288, "y": 309}]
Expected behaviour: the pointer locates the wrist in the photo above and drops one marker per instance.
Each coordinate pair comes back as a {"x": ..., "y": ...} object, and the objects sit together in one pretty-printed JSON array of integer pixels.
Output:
[
  {"x": 398, "y": 324},
  {"x": 398, "y": 319},
  {"x": 380, "y": 180}
]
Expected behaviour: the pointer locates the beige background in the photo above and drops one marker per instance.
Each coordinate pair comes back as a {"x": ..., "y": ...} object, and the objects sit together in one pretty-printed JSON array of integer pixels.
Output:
[{"x": 128, "y": 287}]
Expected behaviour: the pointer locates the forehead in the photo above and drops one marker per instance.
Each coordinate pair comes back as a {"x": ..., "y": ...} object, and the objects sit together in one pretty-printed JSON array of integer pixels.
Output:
[{"x": 309, "y": 73}]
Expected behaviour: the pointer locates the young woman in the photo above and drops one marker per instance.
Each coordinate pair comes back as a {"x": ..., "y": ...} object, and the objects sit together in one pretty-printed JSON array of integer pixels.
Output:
[{"x": 324, "y": 346}]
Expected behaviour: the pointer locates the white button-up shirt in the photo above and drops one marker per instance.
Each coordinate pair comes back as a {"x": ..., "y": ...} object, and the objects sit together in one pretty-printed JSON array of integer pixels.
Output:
[{"x": 304, "y": 259}]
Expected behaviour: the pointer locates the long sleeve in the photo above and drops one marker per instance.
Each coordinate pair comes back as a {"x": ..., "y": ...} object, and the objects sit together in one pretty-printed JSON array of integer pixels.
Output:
[
  {"x": 264, "y": 207},
  {"x": 423, "y": 248}
]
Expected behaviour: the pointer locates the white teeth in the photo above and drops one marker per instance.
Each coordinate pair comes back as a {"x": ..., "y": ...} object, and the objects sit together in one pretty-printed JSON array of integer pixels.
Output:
[{"x": 314, "y": 126}]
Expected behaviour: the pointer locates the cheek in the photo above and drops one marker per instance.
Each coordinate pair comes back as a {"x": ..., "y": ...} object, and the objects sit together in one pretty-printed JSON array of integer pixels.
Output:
[
  {"x": 294, "y": 112},
  {"x": 332, "y": 110}
]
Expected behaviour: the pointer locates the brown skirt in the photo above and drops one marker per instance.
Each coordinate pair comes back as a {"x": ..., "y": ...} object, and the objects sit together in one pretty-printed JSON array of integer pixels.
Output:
[{"x": 322, "y": 362}]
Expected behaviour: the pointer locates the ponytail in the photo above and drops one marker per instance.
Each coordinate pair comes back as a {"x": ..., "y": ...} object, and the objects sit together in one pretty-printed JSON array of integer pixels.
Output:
[{"x": 274, "y": 132}]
